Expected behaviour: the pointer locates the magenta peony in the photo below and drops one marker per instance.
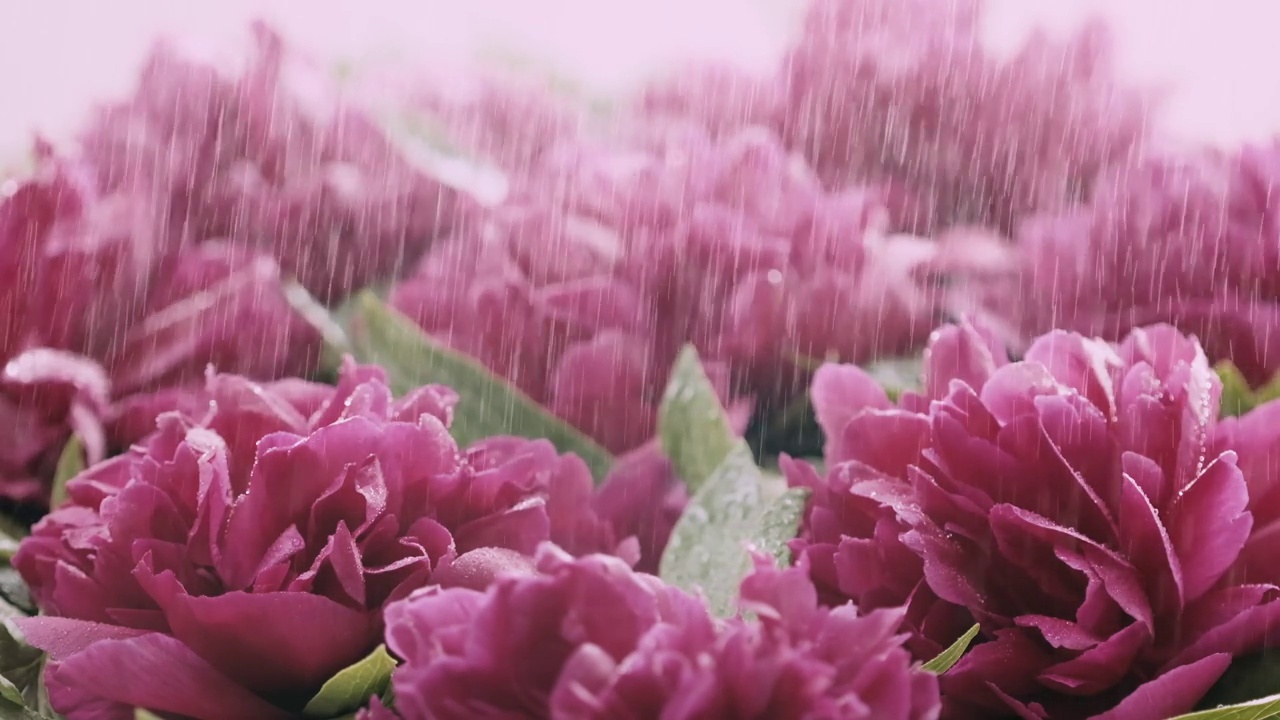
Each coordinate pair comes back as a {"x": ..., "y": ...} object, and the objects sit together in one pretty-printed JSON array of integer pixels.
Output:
[
  {"x": 274, "y": 160},
  {"x": 611, "y": 643},
  {"x": 1079, "y": 504},
  {"x": 229, "y": 564},
  {"x": 1192, "y": 240},
  {"x": 603, "y": 263},
  {"x": 97, "y": 309},
  {"x": 909, "y": 96}
]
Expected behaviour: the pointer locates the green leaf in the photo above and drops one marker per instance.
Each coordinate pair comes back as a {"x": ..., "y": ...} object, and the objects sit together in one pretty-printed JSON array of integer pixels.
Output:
[
  {"x": 141, "y": 714},
  {"x": 897, "y": 375},
  {"x": 734, "y": 509},
  {"x": 352, "y": 687},
  {"x": 692, "y": 424},
  {"x": 779, "y": 523},
  {"x": 70, "y": 464},
  {"x": 1237, "y": 397},
  {"x": 21, "y": 672},
  {"x": 951, "y": 655},
  {"x": 333, "y": 336},
  {"x": 489, "y": 404},
  {"x": 10, "y": 533},
  {"x": 1260, "y": 709}
]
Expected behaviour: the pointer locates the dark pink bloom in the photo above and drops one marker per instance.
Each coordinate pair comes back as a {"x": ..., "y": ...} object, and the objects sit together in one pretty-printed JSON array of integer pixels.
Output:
[
  {"x": 245, "y": 555},
  {"x": 275, "y": 160},
  {"x": 612, "y": 643},
  {"x": 582, "y": 287},
  {"x": 1075, "y": 503},
  {"x": 93, "y": 299},
  {"x": 909, "y": 93},
  {"x": 1192, "y": 240}
]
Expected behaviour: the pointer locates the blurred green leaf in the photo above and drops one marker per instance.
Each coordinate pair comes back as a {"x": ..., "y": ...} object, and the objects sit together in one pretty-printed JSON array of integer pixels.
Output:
[
  {"x": 949, "y": 657},
  {"x": 1237, "y": 397},
  {"x": 70, "y": 464},
  {"x": 692, "y": 424},
  {"x": 1260, "y": 709},
  {"x": 11, "y": 532},
  {"x": 489, "y": 404},
  {"x": 897, "y": 375},
  {"x": 352, "y": 687},
  {"x": 21, "y": 673}
]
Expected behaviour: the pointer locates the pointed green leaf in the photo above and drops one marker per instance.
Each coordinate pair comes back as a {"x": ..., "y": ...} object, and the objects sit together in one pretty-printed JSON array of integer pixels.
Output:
[
  {"x": 70, "y": 464},
  {"x": 949, "y": 657},
  {"x": 1260, "y": 709},
  {"x": 141, "y": 714},
  {"x": 779, "y": 524},
  {"x": 692, "y": 424},
  {"x": 352, "y": 687},
  {"x": 489, "y": 404},
  {"x": 737, "y": 508},
  {"x": 1237, "y": 397}
]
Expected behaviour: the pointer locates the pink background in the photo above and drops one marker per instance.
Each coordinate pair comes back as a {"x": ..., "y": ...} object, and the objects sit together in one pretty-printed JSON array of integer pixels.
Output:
[{"x": 59, "y": 55}]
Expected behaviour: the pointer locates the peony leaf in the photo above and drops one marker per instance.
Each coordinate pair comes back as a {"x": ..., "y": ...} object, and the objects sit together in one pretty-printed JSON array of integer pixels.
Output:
[
  {"x": 489, "y": 404},
  {"x": 949, "y": 657},
  {"x": 21, "y": 673},
  {"x": 737, "y": 508},
  {"x": 1237, "y": 397},
  {"x": 897, "y": 375},
  {"x": 1260, "y": 709},
  {"x": 11, "y": 531},
  {"x": 140, "y": 714},
  {"x": 692, "y": 424},
  {"x": 780, "y": 522},
  {"x": 1248, "y": 678},
  {"x": 70, "y": 464},
  {"x": 352, "y": 687}
]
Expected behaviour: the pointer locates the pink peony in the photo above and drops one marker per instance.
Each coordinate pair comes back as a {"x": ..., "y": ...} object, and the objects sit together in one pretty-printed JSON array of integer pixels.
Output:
[
  {"x": 93, "y": 301},
  {"x": 274, "y": 160},
  {"x": 1079, "y": 504},
  {"x": 611, "y": 643},
  {"x": 1192, "y": 240},
  {"x": 230, "y": 564},
  {"x": 603, "y": 263}
]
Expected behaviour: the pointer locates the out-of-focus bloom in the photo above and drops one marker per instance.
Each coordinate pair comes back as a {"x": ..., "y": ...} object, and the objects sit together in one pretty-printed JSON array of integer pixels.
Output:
[
  {"x": 908, "y": 96},
  {"x": 582, "y": 288},
  {"x": 1076, "y": 503},
  {"x": 273, "y": 160},
  {"x": 230, "y": 566},
  {"x": 497, "y": 119},
  {"x": 90, "y": 298},
  {"x": 1192, "y": 240},
  {"x": 611, "y": 643}
]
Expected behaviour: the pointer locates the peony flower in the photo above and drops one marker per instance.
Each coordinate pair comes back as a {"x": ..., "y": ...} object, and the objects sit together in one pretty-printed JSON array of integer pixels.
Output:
[
  {"x": 229, "y": 565},
  {"x": 92, "y": 300},
  {"x": 911, "y": 98},
  {"x": 1189, "y": 240},
  {"x": 969, "y": 134},
  {"x": 611, "y": 643},
  {"x": 1076, "y": 504},
  {"x": 274, "y": 160},
  {"x": 582, "y": 288}
]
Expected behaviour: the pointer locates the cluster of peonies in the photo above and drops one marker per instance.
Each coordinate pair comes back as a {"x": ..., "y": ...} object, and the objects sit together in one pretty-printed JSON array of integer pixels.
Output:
[
  {"x": 582, "y": 287},
  {"x": 96, "y": 307},
  {"x": 166, "y": 244},
  {"x": 910, "y": 96},
  {"x": 275, "y": 160},
  {"x": 1191, "y": 239},
  {"x": 611, "y": 643},
  {"x": 230, "y": 563},
  {"x": 1083, "y": 505}
]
